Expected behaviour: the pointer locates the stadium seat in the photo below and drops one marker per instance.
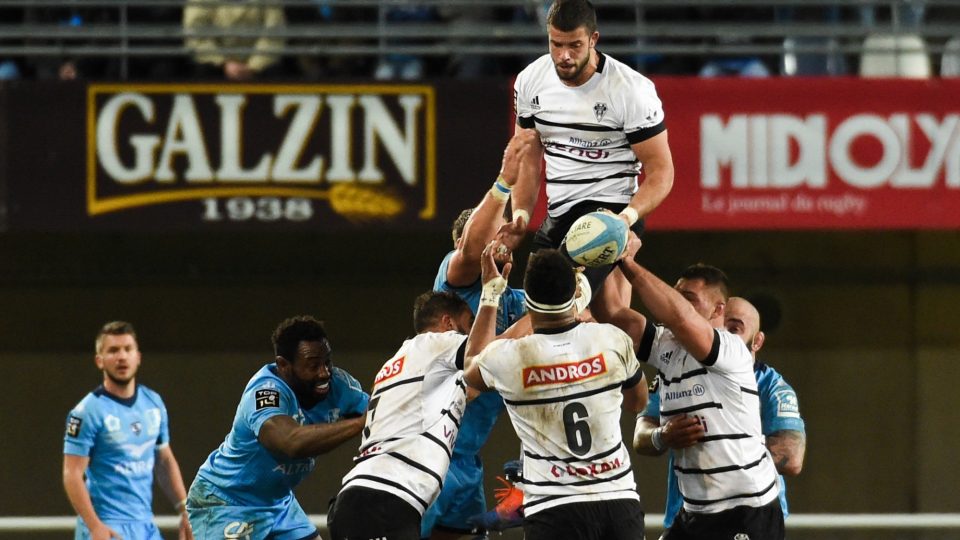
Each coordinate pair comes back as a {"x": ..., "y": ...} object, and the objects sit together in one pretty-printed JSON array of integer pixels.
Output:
[
  {"x": 950, "y": 61},
  {"x": 798, "y": 62},
  {"x": 890, "y": 55}
]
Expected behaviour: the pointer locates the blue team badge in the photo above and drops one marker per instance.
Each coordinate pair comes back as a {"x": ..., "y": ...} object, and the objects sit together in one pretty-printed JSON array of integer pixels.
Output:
[
  {"x": 599, "y": 109},
  {"x": 136, "y": 428}
]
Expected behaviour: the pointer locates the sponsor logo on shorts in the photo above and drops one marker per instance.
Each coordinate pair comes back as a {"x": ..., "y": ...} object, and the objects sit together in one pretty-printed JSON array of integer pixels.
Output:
[
  {"x": 238, "y": 530},
  {"x": 267, "y": 398},
  {"x": 564, "y": 373},
  {"x": 73, "y": 426}
]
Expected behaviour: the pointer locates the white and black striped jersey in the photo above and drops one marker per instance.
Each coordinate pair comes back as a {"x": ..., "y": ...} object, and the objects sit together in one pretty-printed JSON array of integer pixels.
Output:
[
  {"x": 587, "y": 130},
  {"x": 731, "y": 466},
  {"x": 563, "y": 392},
  {"x": 413, "y": 419}
]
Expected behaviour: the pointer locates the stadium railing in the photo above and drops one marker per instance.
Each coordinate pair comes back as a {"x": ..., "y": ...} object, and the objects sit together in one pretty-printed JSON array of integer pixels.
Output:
[
  {"x": 640, "y": 28},
  {"x": 653, "y": 521}
]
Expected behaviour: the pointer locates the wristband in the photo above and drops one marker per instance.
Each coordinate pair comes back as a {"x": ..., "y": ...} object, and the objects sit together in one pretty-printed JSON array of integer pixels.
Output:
[
  {"x": 492, "y": 291},
  {"x": 631, "y": 214},
  {"x": 656, "y": 439},
  {"x": 500, "y": 190},
  {"x": 517, "y": 214},
  {"x": 582, "y": 300}
]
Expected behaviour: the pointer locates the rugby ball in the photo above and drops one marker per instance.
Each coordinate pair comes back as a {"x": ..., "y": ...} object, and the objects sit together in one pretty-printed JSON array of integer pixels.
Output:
[{"x": 596, "y": 239}]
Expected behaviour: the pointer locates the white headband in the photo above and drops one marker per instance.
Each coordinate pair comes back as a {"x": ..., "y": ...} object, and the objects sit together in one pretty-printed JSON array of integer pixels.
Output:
[{"x": 549, "y": 308}]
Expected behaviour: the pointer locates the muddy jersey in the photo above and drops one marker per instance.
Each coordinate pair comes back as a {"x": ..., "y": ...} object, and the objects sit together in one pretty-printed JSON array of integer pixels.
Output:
[
  {"x": 562, "y": 389},
  {"x": 413, "y": 419},
  {"x": 587, "y": 130},
  {"x": 731, "y": 466}
]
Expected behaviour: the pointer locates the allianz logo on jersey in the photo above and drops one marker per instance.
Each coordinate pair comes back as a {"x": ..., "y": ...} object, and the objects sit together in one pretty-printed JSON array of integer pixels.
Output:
[
  {"x": 564, "y": 373},
  {"x": 696, "y": 391},
  {"x": 366, "y": 149}
]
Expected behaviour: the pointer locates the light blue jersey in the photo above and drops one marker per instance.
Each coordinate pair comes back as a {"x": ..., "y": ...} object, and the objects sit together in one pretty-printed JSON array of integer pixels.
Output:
[
  {"x": 462, "y": 494},
  {"x": 779, "y": 410},
  {"x": 482, "y": 412},
  {"x": 121, "y": 437},
  {"x": 244, "y": 473}
]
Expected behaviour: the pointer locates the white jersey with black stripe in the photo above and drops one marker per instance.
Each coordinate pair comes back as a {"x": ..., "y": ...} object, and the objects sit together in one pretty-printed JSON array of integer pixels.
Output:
[
  {"x": 413, "y": 420},
  {"x": 587, "y": 130},
  {"x": 731, "y": 466},
  {"x": 563, "y": 393}
]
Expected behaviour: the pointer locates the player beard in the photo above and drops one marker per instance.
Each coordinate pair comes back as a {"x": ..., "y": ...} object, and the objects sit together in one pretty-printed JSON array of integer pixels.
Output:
[
  {"x": 577, "y": 70},
  {"x": 118, "y": 381}
]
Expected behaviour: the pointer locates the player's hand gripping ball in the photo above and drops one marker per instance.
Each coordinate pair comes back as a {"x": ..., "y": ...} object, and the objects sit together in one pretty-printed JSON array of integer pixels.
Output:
[{"x": 596, "y": 239}]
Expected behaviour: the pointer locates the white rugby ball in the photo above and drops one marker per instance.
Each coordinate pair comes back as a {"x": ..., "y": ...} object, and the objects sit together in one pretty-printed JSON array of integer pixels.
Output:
[{"x": 596, "y": 239}]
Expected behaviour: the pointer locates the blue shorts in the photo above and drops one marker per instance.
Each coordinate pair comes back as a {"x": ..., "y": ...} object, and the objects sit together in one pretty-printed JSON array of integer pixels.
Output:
[
  {"x": 214, "y": 518},
  {"x": 146, "y": 530},
  {"x": 461, "y": 497}
]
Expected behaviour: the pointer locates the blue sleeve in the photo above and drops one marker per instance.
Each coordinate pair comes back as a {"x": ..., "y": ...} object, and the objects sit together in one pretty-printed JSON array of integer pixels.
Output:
[
  {"x": 653, "y": 402},
  {"x": 164, "y": 437},
  {"x": 779, "y": 407},
  {"x": 440, "y": 281},
  {"x": 353, "y": 400},
  {"x": 83, "y": 424},
  {"x": 262, "y": 401}
]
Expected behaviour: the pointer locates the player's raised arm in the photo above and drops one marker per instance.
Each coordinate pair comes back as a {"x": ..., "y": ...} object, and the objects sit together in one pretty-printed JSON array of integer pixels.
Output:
[
  {"x": 485, "y": 220},
  {"x": 672, "y": 310},
  {"x": 525, "y": 189},
  {"x": 484, "y": 326}
]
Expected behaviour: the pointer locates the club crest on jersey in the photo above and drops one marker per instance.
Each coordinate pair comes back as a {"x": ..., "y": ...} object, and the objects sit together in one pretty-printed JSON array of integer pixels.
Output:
[
  {"x": 73, "y": 426},
  {"x": 136, "y": 428},
  {"x": 599, "y": 109},
  {"x": 564, "y": 373},
  {"x": 267, "y": 398}
]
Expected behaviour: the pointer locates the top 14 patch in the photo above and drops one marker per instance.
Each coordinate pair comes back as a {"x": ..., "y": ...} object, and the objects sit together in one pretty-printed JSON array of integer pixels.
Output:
[
  {"x": 73, "y": 426},
  {"x": 267, "y": 398}
]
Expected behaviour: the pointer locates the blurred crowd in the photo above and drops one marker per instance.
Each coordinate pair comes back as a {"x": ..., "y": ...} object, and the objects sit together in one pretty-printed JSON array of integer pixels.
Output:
[{"x": 246, "y": 40}]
